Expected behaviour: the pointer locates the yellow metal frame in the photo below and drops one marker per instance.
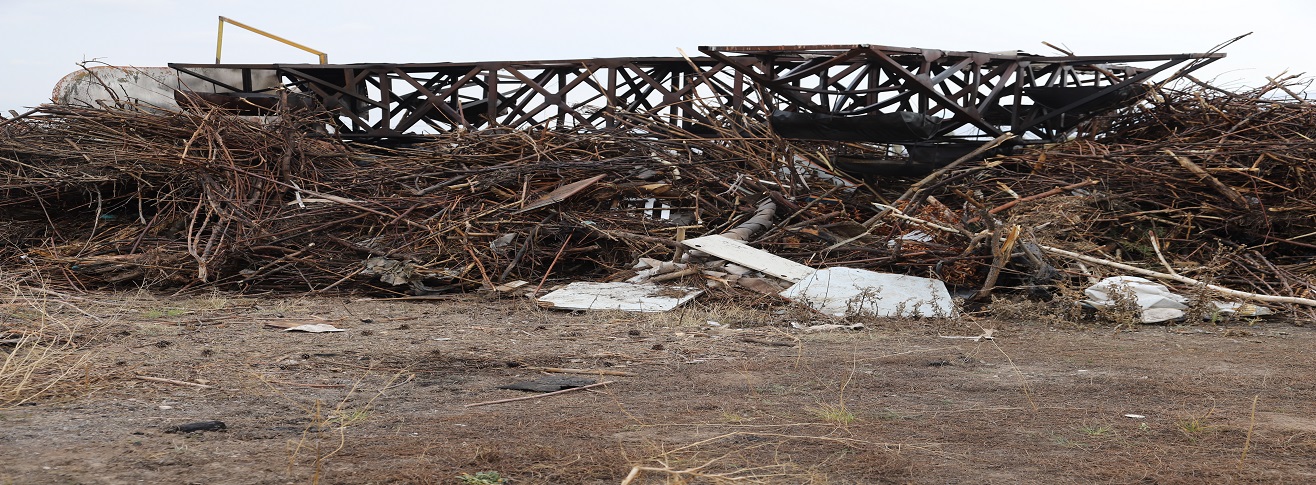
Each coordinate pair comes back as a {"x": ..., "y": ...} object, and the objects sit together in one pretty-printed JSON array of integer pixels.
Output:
[{"x": 219, "y": 43}]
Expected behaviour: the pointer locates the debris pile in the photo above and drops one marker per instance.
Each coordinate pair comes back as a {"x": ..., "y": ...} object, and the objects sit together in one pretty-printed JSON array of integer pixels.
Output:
[
  {"x": 1207, "y": 186},
  {"x": 1214, "y": 185}
]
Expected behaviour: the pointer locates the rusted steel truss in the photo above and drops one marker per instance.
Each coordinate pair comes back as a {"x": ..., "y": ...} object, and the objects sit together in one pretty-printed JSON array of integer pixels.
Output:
[
  {"x": 975, "y": 94},
  {"x": 395, "y": 100}
]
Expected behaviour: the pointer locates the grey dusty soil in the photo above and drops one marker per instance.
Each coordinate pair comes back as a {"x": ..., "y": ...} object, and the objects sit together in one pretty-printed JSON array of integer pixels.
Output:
[{"x": 752, "y": 398}]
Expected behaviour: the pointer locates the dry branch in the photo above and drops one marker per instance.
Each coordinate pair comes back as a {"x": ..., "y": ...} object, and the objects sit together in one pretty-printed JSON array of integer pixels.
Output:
[{"x": 539, "y": 396}]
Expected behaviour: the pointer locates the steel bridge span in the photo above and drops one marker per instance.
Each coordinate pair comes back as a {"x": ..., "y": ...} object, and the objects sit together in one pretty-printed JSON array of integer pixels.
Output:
[{"x": 951, "y": 96}]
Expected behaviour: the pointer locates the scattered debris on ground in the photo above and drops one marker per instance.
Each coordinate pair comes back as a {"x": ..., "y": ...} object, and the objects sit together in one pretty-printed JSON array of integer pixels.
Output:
[
  {"x": 712, "y": 294},
  {"x": 1209, "y": 190}
]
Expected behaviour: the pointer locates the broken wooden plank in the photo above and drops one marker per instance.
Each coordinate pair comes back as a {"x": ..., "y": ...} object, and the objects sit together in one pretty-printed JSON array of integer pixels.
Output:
[{"x": 561, "y": 194}]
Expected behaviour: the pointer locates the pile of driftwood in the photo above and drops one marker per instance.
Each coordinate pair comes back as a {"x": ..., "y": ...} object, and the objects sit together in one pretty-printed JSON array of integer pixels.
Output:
[
  {"x": 1209, "y": 186},
  {"x": 98, "y": 197},
  {"x": 1207, "y": 183}
]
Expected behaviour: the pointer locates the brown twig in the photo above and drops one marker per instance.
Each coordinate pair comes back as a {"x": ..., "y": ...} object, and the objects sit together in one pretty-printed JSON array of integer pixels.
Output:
[
  {"x": 606, "y": 372},
  {"x": 539, "y": 396},
  {"x": 172, "y": 381}
]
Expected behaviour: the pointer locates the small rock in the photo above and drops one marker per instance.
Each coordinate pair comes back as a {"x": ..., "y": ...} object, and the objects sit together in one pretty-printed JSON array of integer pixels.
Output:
[{"x": 198, "y": 426}]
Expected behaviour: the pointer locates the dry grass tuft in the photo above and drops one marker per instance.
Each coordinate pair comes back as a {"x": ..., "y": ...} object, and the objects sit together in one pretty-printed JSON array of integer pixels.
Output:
[
  {"x": 759, "y": 457},
  {"x": 40, "y": 349},
  {"x": 36, "y": 366}
]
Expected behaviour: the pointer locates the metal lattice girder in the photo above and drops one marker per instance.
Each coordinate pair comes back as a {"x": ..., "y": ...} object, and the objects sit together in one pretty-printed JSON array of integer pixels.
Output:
[
  {"x": 392, "y": 100},
  {"x": 978, "y": 94}
]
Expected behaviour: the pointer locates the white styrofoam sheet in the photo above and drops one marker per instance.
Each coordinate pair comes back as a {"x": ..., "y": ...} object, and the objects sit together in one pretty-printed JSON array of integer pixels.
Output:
[
  {"x": 850, "y": 291},
  {"x": 629, "y": 297},
  {"x": 749, "y": 257}
]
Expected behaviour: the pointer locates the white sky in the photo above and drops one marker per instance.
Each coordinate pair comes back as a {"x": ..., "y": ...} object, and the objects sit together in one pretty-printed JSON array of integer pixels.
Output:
[{"x": 42, "y": 40}]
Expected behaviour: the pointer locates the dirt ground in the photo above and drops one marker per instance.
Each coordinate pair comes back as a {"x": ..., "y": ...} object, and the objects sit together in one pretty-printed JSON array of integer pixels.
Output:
[{"x": 749, "y": 398}]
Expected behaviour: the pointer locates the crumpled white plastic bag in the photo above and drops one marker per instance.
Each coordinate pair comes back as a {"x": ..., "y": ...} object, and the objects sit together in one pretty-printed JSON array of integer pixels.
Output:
[{"x": 1157, "y": 302}]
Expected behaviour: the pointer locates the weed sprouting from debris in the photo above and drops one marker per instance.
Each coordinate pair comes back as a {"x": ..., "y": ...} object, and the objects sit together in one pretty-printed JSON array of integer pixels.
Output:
[
  {"x": 836, "y": 414},
  {"x": 1123, "y": 311},
  {"x": 1195, "y": 426},
  {"x": 482, "y": 478},
  {"x": 1097, "y": 431}
]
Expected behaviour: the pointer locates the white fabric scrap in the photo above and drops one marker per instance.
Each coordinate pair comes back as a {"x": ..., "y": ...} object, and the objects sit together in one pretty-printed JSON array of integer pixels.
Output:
[{"x": 1156, "y": 301}]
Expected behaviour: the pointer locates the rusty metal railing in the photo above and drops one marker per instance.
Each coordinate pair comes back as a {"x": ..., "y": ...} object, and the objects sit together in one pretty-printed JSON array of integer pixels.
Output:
[{"x": 219, "y": 41}]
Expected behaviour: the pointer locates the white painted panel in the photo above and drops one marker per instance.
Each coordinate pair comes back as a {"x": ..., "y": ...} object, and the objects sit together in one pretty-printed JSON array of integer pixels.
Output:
[{"x": 749, "y": 257}]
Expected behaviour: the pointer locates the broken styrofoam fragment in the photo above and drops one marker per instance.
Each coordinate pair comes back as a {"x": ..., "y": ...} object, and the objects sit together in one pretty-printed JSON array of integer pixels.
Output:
[
  {"x": 985, "y": 335},
  {"x": 850, "y": 291},
  {"x": 314, "y": 328},
  {"x": 509, "y": 286},
  {"x": 744, "y": 255},
  {"x": 827, "y": 327},
  {"x": 628, "y": 297},
  {"x": 1241, "y": 309},
  {"x": 1159, "y": 315},
  {"x": 646, "y": 263}
]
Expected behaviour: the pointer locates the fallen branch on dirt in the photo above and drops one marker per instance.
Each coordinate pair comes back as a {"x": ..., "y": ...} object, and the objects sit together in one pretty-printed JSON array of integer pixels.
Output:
[
  {"x": 539, "y": 396},
  {"x": 605, "y": 372},
  {"x": 301, "y": 384},
  {"x": 708, "y": 469},
  {"x": 174, "y": 382}
]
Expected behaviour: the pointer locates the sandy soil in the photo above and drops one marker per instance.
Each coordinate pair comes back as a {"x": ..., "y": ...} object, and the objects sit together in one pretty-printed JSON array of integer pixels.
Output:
[{"x": 752, "y": 398}]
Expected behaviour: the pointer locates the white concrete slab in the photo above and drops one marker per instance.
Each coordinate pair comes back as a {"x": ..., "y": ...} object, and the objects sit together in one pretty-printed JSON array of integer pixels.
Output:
[{"x": 850, "y": 291}]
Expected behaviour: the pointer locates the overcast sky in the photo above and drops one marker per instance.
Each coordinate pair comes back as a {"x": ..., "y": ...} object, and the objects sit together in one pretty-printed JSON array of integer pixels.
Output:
[{"x": 41, "y": 41}]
